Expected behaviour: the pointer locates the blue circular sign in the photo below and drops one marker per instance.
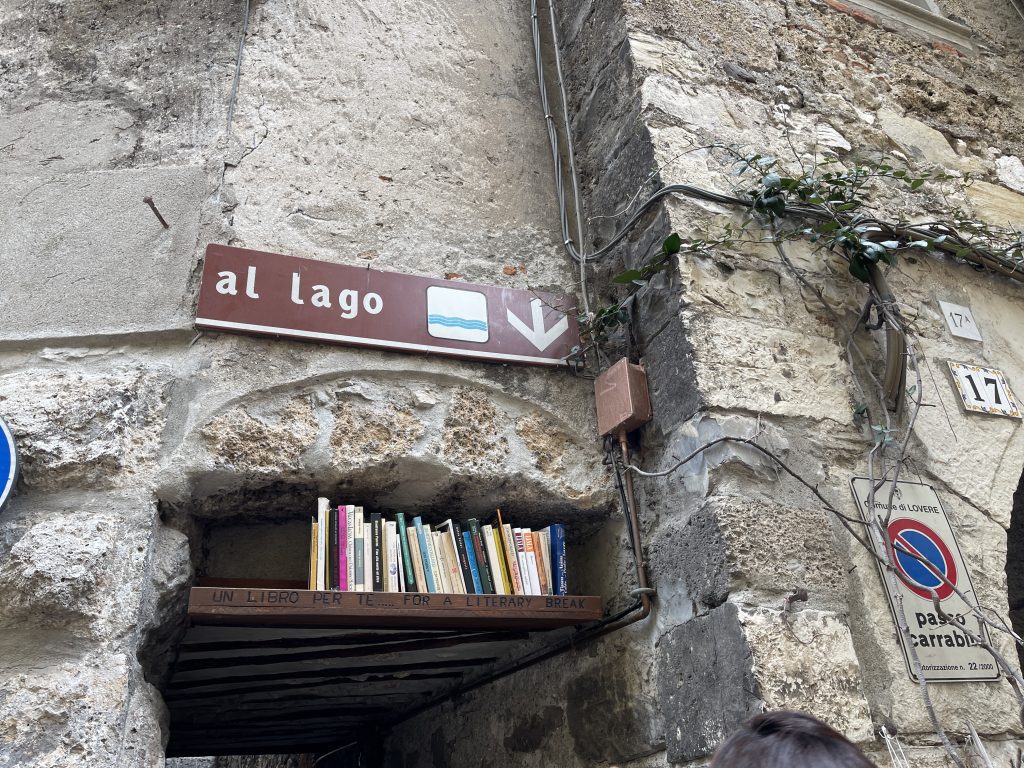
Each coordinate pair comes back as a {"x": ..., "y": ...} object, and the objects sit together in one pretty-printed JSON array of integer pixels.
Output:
[
  {"x": 8, "y": 463},
  {"x": 924, "y": 561}
]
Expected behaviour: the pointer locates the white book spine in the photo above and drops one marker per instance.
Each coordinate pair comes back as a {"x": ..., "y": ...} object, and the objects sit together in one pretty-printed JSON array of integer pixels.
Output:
[
  {"x": 531, "y": 563},
  {"x": 401, "y": 561},
  {"x": 437, "y": 555},
  {"x": 455, "y": 577},
  {"x": 322, "y": 520},
  {"x": 391, "y": 579},
  {"x": 367, "y": 559},
  {"x": 524, "y": 568},
  {"x": 357, "y": 542}
]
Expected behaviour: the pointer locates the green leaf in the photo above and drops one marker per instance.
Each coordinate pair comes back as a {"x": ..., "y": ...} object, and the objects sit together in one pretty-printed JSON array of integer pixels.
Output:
[
  {"x": 672, "y": 243},
  {"x": 916, "y": 183},
  {"x": 628, "y": 276},
  {"x": 859, "y": 269},
  {"x": 772, "y": 181}
]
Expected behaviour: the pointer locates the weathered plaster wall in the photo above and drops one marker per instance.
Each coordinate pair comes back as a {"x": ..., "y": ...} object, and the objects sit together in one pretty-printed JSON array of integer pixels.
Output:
[
  {"x": 402, "y": 136},
  {"x": 733, "y": 344}
]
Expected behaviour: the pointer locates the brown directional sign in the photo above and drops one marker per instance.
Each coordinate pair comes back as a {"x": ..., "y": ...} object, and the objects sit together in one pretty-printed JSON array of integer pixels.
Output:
[{"x": 254, "y": 292}]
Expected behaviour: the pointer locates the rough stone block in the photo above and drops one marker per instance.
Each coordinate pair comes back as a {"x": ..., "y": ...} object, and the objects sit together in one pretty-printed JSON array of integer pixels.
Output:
[
  {"x": 84, "y": 429},
  {"x": 775, "y": 548},
  {"x": 805, "y": 660},
  {"x": 83, "y": 255},
  {"x": 76, "y": 564},
  {"x": 705, "y": 683},
  {"x": 997, "y": 204},
  {"x": 90, "y": 712},
  {"x": 749, "y": 366}
]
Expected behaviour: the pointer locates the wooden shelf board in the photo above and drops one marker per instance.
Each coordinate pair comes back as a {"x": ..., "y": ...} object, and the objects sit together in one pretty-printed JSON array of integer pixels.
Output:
[{"x": 257, "y": 606}]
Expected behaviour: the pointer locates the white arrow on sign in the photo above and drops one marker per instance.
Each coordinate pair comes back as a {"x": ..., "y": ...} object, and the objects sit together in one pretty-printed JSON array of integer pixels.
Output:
[{"x": 537, "y": 336}]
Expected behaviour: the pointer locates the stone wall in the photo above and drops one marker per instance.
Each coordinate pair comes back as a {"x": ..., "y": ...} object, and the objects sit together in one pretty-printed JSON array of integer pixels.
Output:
[
  {"x": 733, "y": 344},
  {"x": 407, "y": 136},
  {"x": 399, "y": 135}
]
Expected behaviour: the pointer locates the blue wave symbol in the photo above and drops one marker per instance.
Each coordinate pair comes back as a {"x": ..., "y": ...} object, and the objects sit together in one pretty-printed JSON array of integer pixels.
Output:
[{"x": 457, "y": 322}]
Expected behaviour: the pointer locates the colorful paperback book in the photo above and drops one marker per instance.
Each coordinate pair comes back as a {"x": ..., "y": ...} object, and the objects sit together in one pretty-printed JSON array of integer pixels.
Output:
[
  {"x": 408, "y": 571},
  {"x": 497, "y": 568},
  {"x": 439, "y": 563},
  {"x": 474, "y": 568},
  {"x": 359, "y": 582},
  {"x": 451, "y": 557},
  {"x": 350, "y": 548},
  {"x": 417, "y": 561},
  {"x": 392, "y": 584},
  {"x": 483, "y": 564},
  {"x": 545, "y": 548},
  {"x": 511, "y": 558},
  {"x": 341, "y": 545},
  {"x": 461, "y": 544},
  {"x": 538, "y": 552},
  {"x": 312, "y": 553},
  {"x": 520, "y": 552},
  {"x": 367, "y": 557},
  {"x": 377, "y": 546},
  {"x": 332, "y": 549},
  {"x": 530, "y": 555},
  {"x": 401, "y": 562},
  {"x": 559, "y": 580},
  {"x": 421, "y": 538},
  {"x": 322, "y": 517}
]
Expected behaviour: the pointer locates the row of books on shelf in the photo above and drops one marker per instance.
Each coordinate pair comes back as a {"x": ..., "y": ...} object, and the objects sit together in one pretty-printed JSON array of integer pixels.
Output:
[{"x": 352, "y": 551}]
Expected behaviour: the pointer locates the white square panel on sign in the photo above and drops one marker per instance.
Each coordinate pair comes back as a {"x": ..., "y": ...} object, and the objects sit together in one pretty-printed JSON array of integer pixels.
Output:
[
  {"x": 984, "y": 390},
  {"x": 960, "y": 321},
  {"x": 457, "y": 314}
]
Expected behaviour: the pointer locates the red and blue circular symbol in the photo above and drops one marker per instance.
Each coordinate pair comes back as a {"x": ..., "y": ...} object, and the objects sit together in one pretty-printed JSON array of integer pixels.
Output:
[
  {"x": 923, "y": 560},
  {"x": 8, "y": 463}
]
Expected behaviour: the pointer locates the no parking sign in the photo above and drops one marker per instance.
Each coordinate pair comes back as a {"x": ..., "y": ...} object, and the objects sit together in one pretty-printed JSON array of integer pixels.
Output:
[{"x": 930, "y": 567}]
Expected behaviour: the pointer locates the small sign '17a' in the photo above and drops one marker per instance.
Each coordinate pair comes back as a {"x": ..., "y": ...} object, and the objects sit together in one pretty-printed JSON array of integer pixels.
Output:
[{"x": 269, "y": 294}]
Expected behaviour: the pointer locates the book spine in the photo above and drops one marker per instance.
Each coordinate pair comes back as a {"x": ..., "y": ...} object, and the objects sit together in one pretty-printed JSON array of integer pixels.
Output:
[
  {"x": 454, "y": 569},
  {"x": 474, "y": 567},
  {"x": 482, "y": 562},
  {"x": 530, "y": 555},
  {"x": 417, "y": 561},
  {"x": 424, "y": 554},
  {"x": 545, "y": 544},
  {"x": 460, "y": 548},
  {"x": 392, "y": 541},
  {"x": 511, "y": 559},
  {"x": 312, "y": 553},
  {"x": 367, "y": 557},
  {"x": 559, "y": 571},
  {"x": 524, "y": 566},
  {"x": 332, "y": 549},
  {"x": 437, "y": 564},
  {"x": 323, "y": 506},
  {"x": 358, "y": 567},
  {"x": 377, "y": 543},
  {"x": 407, "y": 563},
  {"x": 341, "y": 547},
  {"x": 500, "y": 580},
  {"x": 401, "y": 561},
  {"x": 350, "y": 548},
  {"x": 538, "y": 553}
]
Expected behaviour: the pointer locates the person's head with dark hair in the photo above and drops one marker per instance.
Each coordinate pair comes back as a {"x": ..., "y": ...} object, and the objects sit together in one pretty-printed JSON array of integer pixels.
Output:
[{"x": 788, "y": 740}]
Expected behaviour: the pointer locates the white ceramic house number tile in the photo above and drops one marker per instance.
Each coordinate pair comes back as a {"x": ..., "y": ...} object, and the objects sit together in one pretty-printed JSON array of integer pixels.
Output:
[{"x": 984, "y": 390}]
